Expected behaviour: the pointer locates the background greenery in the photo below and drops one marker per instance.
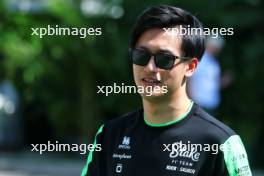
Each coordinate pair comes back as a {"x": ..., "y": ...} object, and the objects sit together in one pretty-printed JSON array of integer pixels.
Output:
[{"x": 57, "y": 77}]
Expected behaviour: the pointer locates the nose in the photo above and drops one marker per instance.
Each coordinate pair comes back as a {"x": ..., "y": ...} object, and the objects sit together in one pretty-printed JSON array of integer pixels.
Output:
[{"x": 151, "y": 66}]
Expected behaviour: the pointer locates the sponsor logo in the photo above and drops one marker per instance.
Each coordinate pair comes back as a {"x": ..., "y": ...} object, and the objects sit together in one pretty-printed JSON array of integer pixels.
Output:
[
  {"x": 119, "y": 168},
  {"x": 180, "y": 151},
  {"x": 125, "y": 143},
  {"x": 122, "y": 156}
]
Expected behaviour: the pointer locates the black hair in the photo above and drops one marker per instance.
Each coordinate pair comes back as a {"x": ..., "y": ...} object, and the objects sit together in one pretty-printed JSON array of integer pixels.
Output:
[{"x": 165, "y": 16}]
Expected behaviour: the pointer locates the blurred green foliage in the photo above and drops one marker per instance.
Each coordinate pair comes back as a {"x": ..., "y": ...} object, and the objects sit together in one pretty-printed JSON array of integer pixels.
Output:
[{"x": 60, "y": 75}]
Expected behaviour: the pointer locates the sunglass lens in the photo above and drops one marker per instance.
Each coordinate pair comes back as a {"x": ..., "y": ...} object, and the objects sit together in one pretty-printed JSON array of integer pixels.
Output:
[
  {"x": 140, "y": 57},
  {"x": 164, "y": 61}
]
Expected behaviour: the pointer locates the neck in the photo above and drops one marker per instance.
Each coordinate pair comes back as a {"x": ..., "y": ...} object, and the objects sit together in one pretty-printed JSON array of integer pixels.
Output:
[{"x": 171, "y": 109}]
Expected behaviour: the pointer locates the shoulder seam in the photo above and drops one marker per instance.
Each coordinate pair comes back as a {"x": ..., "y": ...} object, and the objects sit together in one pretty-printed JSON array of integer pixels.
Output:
[{"x": 213, "y": 123}]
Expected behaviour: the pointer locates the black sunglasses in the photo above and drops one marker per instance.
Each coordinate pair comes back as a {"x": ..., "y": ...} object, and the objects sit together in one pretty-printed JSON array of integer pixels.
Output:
[{"x": 162, "y": 60}]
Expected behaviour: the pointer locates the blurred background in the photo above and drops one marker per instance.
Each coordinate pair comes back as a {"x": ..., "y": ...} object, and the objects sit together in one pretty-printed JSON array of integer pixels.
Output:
[{"x": 48, "y": 86}]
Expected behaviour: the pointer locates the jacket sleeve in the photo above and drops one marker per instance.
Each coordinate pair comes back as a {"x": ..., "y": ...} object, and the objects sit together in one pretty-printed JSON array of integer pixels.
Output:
[
  {"x": 235, "y": 157},
  {"x": 94, "y": 159}
]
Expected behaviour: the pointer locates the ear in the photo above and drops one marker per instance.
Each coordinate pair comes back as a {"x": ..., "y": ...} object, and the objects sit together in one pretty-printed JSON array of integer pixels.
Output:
[{"x": 191, "y": 67}]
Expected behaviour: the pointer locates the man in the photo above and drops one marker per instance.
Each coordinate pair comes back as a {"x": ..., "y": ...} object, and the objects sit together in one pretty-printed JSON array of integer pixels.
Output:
[
  {"x": 10, "y": 120},
  {"x": 205, "y": 84},
  {"x": 150, "y": 141}
]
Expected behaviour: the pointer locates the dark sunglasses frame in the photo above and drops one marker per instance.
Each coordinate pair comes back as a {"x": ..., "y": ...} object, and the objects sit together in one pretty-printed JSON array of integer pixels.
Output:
[{"x": 162, "y": 60}]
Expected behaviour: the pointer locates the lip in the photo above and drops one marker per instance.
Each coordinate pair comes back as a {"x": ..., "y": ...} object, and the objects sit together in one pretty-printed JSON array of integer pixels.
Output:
[{"x": 150, "y": 81}]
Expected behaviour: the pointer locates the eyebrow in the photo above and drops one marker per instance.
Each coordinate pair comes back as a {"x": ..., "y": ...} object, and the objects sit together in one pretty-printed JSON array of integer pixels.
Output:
[{"x": 159, "y": 51}]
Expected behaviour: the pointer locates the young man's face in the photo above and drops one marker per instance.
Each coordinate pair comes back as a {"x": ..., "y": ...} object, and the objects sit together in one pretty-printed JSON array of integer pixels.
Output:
[{"x": 155, "y": 41}]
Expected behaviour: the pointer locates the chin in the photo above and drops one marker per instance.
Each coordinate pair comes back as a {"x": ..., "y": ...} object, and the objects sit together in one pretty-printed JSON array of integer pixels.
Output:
[{"x": 153, "y": 96}]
